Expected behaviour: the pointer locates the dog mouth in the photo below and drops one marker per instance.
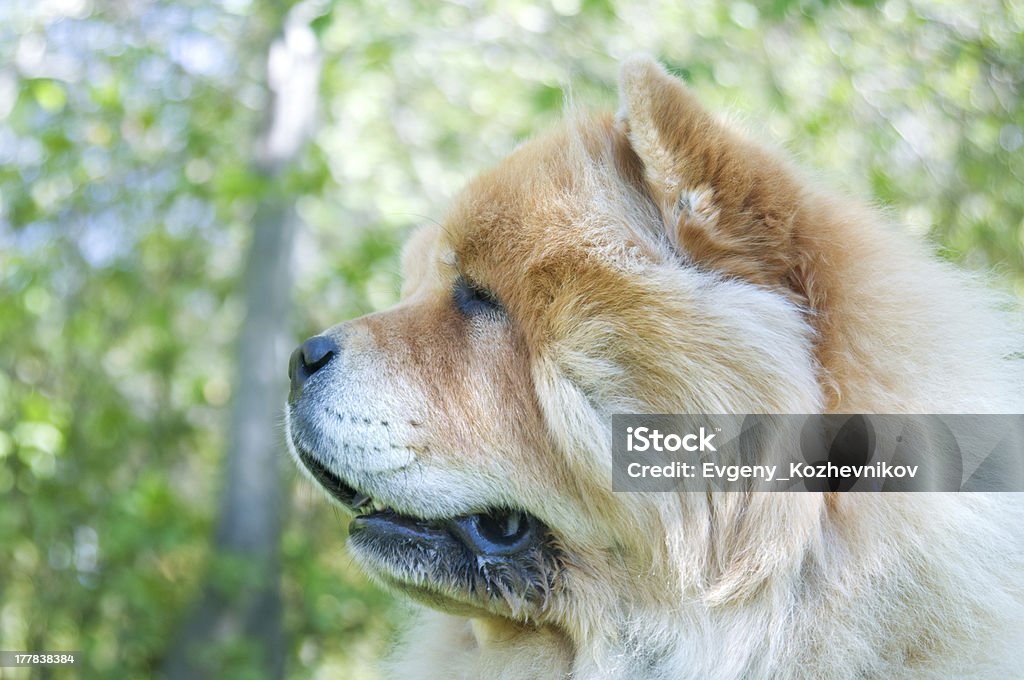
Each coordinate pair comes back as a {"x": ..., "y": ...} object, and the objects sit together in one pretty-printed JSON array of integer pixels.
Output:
[
  {"x": 504, "y": 561},
  {"x": 494, "y": 533}
]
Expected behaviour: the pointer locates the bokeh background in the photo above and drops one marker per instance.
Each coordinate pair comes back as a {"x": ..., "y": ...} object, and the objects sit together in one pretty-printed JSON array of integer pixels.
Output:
[{"x": 187, "y": 189}]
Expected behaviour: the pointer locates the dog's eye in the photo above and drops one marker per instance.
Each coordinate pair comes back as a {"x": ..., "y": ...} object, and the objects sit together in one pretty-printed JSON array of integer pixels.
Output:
[{"x": 473, "y": 300}]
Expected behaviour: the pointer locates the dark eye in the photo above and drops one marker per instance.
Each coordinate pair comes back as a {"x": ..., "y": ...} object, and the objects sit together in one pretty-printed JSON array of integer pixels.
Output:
[{"x": 473, "y": 300}]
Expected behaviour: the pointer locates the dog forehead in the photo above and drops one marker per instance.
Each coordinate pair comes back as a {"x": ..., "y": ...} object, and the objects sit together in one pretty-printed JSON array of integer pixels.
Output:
[
  {"x": 561, "y": 195},
  {"x": 525, "y": 198}
]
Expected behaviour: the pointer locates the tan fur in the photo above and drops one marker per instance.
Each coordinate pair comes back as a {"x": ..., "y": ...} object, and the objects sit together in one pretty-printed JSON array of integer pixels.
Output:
[{"x": 662, "y": 262}]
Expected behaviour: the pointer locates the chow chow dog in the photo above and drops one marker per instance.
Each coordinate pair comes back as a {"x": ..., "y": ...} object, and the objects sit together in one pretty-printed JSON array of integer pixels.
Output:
[{"x": 660, "y": 261}]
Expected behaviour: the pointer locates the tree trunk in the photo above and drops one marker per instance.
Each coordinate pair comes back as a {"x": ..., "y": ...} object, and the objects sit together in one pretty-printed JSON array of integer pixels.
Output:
[{"x": 237, "y": 622}]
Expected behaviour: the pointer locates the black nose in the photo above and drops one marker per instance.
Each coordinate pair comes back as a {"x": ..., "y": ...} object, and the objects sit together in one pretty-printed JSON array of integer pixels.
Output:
[{"x": 310, "y": 357}]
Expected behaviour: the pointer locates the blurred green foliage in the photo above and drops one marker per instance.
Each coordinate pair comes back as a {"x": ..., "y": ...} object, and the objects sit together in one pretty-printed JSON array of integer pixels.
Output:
[{"x": 125, "y": 203}]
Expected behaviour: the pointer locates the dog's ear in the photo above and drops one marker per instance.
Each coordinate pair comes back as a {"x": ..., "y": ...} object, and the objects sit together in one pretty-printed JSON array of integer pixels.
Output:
[
  {"x": 662, "y": 120},
  {"x": 730, "y": 205}
]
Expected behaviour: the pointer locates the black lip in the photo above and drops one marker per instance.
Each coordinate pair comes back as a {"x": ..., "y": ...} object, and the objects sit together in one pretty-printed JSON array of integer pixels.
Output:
[
  {"x": 389, "y": 525},
  {"x": 345, "y": 494}
]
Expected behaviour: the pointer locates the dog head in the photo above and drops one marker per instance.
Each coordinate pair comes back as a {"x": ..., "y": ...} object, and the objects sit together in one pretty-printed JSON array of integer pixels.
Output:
[{"x": 641, "y": 263}]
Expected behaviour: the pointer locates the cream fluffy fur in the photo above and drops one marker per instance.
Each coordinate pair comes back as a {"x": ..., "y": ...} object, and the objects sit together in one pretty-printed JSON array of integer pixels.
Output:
[{"x": 661, "y": 262}]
